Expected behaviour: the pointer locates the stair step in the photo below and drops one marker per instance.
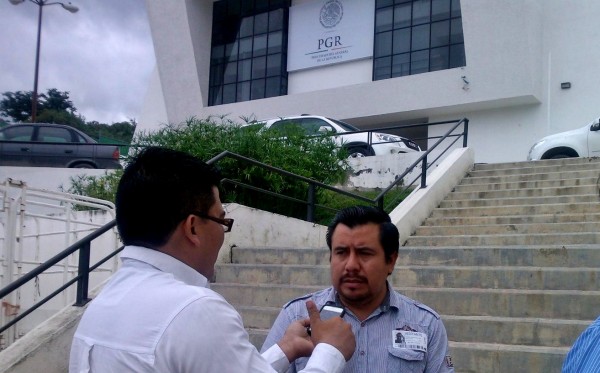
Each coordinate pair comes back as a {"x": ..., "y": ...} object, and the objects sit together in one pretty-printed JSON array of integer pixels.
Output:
[
  {"x": 484, "y": 229},
  {"x": 505, "y": 239},
  {"x": 520, "y": 201},
  {"x": 515, "y": 219},
  {"x": 500, "y": 277},
  {"x": 525, "y": 171},
  {"x": 518, "y": 184},
  {"x": 476, "y": 357},
  {"x": 475, "y": 177},
  {"x": 555, "y": 163},
  {"x": 559, "y": 304},
  {"x": 525, "y": 210},
  {"x": 539, "y": 255},
  {"x": 505, "y": 193}
]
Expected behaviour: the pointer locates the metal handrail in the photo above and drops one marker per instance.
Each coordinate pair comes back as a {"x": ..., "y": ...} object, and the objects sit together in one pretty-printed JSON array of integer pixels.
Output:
[{"x": 83, "y": 245}]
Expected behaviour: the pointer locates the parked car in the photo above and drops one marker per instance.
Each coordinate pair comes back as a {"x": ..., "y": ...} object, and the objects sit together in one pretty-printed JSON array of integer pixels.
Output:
[
  {"x": 358, "y": 144},
  {"x": 581, "y": 142},
  {"x": 54, "y": 145}
]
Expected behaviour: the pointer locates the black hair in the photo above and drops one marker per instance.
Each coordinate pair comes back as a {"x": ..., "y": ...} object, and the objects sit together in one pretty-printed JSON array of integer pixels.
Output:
[
  {"x": 158, "y": 189},
  {"x": 353, "y": 216}
]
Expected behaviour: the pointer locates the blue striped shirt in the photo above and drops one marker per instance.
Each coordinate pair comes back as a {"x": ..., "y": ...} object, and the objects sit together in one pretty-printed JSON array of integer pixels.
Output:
[
  {"x": 375, "y": 351},
  {"x": 584, "y": 356}
]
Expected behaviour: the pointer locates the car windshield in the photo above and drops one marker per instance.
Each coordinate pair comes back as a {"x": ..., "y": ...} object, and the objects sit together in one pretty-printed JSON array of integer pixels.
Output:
[{"x": 344, "y": 125}]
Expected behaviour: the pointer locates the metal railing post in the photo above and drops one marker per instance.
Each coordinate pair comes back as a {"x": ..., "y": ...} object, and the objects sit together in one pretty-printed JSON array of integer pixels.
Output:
[
  {"x": 424, "y": 172},
  {"x": 310, "y": 207},
  {"x": 465, "y": 132},
  {"x": 84, "y": 274}
]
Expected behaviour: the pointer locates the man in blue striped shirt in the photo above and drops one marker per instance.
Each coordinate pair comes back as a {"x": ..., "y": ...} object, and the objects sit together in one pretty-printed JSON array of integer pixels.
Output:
[
  {"x": 393, "y": 333},
  {"x": 584, "y": 356}
]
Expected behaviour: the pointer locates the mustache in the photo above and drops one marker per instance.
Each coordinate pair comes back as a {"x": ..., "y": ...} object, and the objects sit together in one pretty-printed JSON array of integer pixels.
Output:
[{"x": 353, "y": 278}]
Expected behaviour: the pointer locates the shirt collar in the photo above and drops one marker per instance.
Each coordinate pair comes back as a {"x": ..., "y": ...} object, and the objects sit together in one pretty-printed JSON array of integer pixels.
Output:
[
  {"x": 165, "y": 263},
  {"x": 388, "y": 302}
]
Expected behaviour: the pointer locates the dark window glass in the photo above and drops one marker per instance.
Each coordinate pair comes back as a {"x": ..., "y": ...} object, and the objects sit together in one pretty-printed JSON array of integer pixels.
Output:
[
  {"x": 244, "y": 70},
  {"x": 456, "y": 32},
  {"x": 20, "y": 133},
  {"x": 230, "y": 72},
  {"x": 275, "y": 42},
  {"x": 440, "y": 33},
  {"x": 243, "y": 91},
  {"x": 401, "y": 41},
  {"x": 261, "y": 23},
  {"x": 421, "y": 11},
  {"x": 420, "y": 37},
  {"x": 382, "y": 68},
  {"x": 51, "y": 134},
  {"x": 259, "y": 67},
  {"x": 260, "y": 45},
  {"x": 276, "y": 20},
  {"x": 426, "y": 35},
  {"x": 258, "y": 89},
  {"x": 217, "y": 54},
  {"x": 457, "y": 55},
  {"x": 440, "y": 9},
  {"x": 246, "y": 27},
  {"x": 401, "y": 65},
  {"x": 383, "y": 3},
  {"x": 383, "y": 44},
  {"x": 274, "y": 65},
  {"x": 419, "y": 62},
  {"x": 402, "y": 15},
  {"x": 273, "y": 87},
  {"x": 384, "y": 19},
  {"x": 248, "y": 44},
  {"x": 440, "y": 58},
  {"x": 455, "y": 9},
  {"x": 229, "y": 93}
]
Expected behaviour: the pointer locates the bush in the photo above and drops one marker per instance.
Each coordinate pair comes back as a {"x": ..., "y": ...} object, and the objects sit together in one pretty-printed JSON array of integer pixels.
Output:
[{"x": 317, "y": 158}]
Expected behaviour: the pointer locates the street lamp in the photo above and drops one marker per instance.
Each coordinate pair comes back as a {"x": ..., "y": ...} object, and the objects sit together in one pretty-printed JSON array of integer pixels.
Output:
[{"x": 40, "y": 3}]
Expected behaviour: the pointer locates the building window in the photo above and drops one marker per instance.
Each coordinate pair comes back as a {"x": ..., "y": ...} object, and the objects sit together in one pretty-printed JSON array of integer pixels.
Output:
[
  {"x": 417, "y": 36},
  {"x": 249, "y": 50}
]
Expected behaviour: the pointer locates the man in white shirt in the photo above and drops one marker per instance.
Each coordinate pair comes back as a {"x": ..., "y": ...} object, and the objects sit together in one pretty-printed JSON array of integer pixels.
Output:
[{"x": 157, "y": 314}]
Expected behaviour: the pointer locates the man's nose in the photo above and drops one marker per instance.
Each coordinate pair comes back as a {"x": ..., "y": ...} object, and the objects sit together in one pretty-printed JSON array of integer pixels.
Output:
[{"x": 352, "y": 263}]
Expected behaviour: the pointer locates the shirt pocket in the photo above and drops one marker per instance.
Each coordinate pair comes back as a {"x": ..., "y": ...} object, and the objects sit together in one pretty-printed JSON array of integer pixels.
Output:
[{"x": 405, "y": 360}]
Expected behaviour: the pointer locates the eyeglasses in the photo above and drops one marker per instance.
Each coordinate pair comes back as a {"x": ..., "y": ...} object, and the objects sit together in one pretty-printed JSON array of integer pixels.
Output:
[{"x": 226, "y": 223}]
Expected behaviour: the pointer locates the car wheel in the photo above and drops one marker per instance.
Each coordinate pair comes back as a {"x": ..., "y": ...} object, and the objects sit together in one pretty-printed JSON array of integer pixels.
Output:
[
  {"x": 558, "y": 156},
  {"x": 358, "y": 152},
  {"x": 83, "y": 165}
]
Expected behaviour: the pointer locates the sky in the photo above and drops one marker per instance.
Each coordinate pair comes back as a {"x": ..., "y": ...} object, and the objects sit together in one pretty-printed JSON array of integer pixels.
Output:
[{"x": 102, "y": 55}]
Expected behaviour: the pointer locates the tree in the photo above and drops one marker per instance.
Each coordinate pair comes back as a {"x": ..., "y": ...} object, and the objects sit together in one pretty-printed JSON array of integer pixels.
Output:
[
  {"x": 16, "y": 105},
  {"x": 57, "y": 100}
]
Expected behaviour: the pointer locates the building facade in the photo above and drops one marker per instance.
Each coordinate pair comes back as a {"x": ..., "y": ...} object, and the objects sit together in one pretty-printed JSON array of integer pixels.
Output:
[{"x": 518, "y": 70}]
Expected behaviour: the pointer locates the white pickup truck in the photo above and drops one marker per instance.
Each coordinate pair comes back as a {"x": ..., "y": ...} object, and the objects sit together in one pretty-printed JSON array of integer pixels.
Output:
[{"x": 581, "y": 142}]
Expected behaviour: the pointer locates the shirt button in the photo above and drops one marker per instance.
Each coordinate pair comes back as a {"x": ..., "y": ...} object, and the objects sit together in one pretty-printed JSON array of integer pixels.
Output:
[
  {"x": 362, "y": 353},
  {"x": 362, "y": 324}
]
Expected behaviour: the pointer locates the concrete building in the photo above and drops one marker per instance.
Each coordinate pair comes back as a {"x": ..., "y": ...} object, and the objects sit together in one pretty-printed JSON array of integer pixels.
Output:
[{"x": 519, "y": 70}]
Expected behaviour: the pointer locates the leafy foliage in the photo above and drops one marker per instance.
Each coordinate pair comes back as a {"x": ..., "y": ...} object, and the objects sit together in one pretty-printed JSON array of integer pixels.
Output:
[
  {"x": 315, "y": 158},
  {"x": 55, "y": 107}
]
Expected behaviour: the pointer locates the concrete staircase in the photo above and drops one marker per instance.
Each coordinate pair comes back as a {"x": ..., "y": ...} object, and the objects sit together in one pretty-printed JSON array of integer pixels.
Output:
[{"x": 510, "y": 259}]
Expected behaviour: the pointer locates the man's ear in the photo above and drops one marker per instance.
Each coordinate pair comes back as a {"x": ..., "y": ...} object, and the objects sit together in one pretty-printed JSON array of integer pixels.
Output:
[{"x": 189, "y": 228}]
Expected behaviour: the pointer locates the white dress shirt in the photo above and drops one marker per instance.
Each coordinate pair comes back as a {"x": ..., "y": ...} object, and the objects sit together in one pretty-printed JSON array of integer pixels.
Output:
[{"x": 156, "y": 314}]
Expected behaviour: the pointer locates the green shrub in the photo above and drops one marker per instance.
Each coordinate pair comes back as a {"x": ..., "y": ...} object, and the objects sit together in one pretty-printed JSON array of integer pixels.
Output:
[{"x": 317, "y": 158}]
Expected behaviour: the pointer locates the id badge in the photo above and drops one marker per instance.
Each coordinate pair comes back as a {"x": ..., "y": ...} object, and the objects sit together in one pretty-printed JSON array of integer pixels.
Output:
[{"x": 409, "y": 340}]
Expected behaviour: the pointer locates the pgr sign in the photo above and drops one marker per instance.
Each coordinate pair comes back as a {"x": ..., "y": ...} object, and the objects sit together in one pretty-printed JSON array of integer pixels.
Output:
[{"x": 330, "y": 31}]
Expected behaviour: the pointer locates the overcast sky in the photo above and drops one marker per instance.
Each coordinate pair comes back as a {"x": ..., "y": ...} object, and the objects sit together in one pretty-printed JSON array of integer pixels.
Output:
[{"x": 102, "y": 55}]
